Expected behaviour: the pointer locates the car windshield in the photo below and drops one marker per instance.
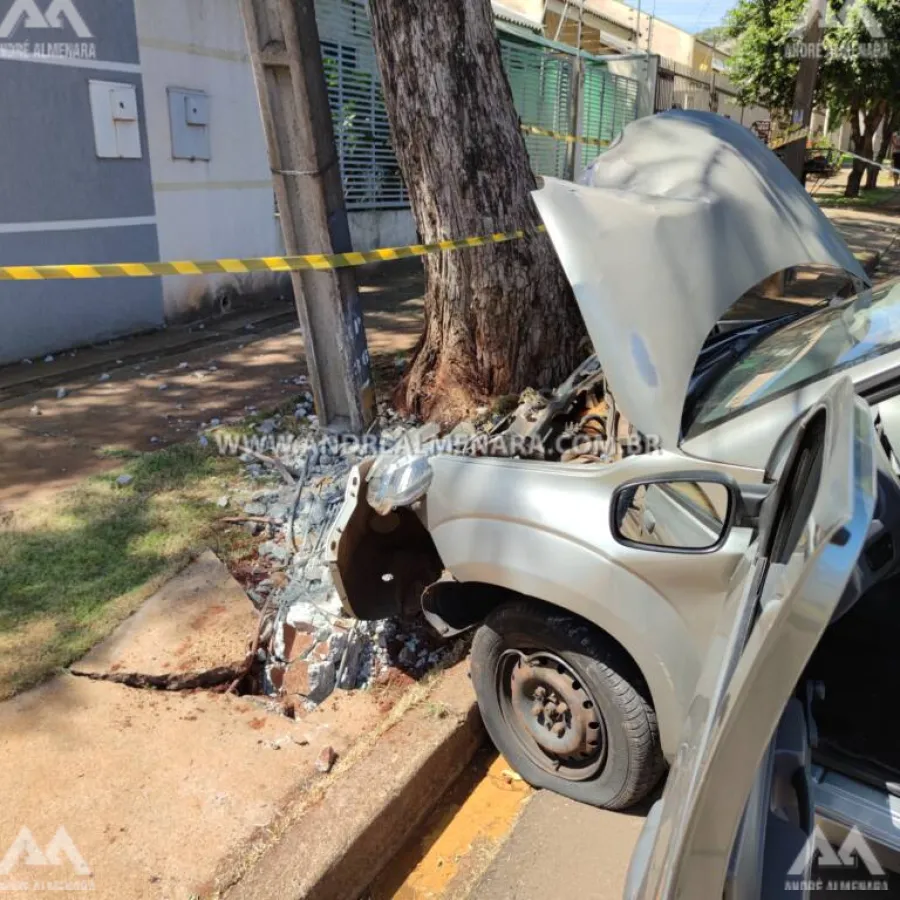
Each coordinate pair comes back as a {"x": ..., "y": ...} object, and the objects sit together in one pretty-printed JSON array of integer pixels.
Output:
[{"x": 804, "y": 351}]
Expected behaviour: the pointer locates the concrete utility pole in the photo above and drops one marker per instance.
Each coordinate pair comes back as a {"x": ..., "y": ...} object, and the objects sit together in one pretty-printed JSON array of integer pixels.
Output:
[
  {"x": 575, "y": 98},
  {"x": 290, "y": 80},
  {"x": 805, "y": 89}
]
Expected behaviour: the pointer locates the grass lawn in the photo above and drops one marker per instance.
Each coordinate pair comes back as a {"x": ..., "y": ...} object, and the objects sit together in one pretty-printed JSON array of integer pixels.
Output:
[
  {"x": 73, "y": 569},
  {"x": 865, "y": 200}
]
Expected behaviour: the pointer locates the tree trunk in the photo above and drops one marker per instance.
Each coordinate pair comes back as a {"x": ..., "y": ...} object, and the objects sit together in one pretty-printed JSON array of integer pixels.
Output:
[
  {"x": 891, "y": 124},
  {"x": 862, "y": 141},
  {"x": 497, "y": 318}
]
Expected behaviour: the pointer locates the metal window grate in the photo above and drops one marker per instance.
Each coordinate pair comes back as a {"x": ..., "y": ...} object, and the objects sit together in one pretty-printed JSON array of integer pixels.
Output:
[
  {"x": 369, "y": 169},
  {"x": 541, "y": 87},
  {"x": 539, "y": 76},
  {"x": 609, "y": 103}
]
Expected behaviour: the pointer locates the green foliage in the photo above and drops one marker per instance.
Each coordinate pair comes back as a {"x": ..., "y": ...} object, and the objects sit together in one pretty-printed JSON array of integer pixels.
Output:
[
  {"x": 859, "y": 59},
  {"x": 761, "y": 63}
]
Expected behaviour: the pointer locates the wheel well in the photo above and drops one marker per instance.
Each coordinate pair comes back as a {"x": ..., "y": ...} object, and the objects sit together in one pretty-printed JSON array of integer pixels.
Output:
[{"x": 463, "y": 605}]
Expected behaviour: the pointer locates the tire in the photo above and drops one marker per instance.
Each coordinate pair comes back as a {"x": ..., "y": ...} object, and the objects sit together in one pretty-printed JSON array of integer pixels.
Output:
[{"x": 525, "y": 650}]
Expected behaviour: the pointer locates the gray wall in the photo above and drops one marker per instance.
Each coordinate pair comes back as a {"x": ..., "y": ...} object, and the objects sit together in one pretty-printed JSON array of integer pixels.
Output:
[{"x": 50, "y": 173}]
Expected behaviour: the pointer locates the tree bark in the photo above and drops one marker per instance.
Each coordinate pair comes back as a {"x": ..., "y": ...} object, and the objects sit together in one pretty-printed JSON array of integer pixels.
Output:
[
  {"x": 863, "y": 125},
  {"x": 891, "y": 124},
  {"x": 497, "y": 318}
]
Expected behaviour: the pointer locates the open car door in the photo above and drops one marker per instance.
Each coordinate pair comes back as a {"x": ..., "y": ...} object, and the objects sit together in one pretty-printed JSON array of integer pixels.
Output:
[{"x": 737, "y": 811}]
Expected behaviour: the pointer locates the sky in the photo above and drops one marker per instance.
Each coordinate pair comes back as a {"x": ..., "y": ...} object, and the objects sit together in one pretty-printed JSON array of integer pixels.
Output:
[{"x": 691, "y": 15}]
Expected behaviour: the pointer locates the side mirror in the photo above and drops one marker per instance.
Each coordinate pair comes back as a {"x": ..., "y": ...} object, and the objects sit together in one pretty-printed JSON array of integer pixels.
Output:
[{"x": 683, "y": 512}]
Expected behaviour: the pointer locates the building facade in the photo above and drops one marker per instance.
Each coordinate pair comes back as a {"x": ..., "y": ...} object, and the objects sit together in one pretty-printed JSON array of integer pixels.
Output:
[
  {"x": 134, "y": 135},
  {"x": 75, "y": 178}
]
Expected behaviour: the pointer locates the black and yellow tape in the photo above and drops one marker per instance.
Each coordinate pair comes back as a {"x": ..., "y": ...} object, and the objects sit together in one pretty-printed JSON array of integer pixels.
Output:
[
  {"x": 568, "y": 138},
  {"x": 310, "y": 261},
  {"x": 315, "y": 261}
]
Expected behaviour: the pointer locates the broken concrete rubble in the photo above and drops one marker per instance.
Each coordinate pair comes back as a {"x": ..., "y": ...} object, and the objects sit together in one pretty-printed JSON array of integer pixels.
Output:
[
  {"x": 302, "y": 472},
  {"x": 314, "y": 649}
]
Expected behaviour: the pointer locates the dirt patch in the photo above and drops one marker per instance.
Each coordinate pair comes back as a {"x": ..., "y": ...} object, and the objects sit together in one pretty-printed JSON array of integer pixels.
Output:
[
  {"x": 166, "y": 386},
  {"x": 154, "y": 789},
  {"x": 199, "y": 620}
]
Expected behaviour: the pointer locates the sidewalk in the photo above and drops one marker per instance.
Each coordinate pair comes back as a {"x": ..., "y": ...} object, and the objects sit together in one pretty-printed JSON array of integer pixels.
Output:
[{"x": 146, "y": 392}]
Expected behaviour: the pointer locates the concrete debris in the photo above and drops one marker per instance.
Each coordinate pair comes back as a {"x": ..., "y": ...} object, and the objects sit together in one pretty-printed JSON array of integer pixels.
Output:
[
  {"x": 302, "y": 472},
  {"x": 35, "y": 410},
  {"x": 223, "y": 502},
  {"x": 326, "y": 760},
  {"x": 321, "y": 681},
  {"x": 314, "y": 648},
  {"x": 124, "y": 480}
]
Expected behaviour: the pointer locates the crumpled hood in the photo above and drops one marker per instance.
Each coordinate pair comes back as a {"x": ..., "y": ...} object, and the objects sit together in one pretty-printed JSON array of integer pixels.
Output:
[{"x": 685, "y": 213}]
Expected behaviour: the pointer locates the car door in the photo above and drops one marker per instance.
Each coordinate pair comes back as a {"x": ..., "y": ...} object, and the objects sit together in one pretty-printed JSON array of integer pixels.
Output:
[{"x": 738, "y": 809}]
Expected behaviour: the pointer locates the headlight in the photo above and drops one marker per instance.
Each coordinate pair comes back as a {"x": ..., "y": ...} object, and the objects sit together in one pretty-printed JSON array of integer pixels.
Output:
[{"x": 397, "y": 481}]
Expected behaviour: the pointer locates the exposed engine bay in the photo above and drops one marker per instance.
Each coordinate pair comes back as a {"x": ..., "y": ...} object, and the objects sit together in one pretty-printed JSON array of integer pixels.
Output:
[{"x": 576, "y": 423}]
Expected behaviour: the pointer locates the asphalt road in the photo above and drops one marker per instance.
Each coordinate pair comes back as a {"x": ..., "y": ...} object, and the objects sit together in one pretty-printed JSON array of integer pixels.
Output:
[{"x": 563, "y": 850}]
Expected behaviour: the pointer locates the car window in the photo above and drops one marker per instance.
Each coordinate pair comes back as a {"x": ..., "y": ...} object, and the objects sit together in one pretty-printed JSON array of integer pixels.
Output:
[{"x": 804, "y": 351}]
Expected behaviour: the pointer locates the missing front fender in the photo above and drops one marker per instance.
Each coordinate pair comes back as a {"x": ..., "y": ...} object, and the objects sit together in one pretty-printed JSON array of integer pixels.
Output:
[
  {"x": 380, "y": 564},
  {"x": 452, "y": 607}
]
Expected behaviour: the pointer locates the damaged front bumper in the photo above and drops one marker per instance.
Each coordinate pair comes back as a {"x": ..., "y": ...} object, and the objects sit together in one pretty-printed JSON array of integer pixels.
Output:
[
  {"x": 380, "y": 564},
  {"x": 382, "y": 558}
]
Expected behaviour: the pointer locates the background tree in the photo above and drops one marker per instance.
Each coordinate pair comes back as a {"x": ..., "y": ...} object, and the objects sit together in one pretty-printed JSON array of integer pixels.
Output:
[
  {"x": 889, "y": 128},
  {"x": 860, "y": 74},
  {"x": 497, "y": 318},
  {"x": 859, "y": 78},
  {"x": 762, "y": 64}
]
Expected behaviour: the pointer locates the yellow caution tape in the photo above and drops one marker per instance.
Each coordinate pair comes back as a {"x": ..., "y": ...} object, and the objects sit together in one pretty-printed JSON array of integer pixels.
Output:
[
  {"x": 568, "y": 138},
  {"x": 316, "y": 261},
  {"x": 788, "y": 138}
]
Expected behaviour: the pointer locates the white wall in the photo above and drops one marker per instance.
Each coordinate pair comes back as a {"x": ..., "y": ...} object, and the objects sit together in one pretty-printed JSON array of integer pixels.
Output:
[
  {"x": 223, "y": 207},
  {"x": 372, "y": 229}
]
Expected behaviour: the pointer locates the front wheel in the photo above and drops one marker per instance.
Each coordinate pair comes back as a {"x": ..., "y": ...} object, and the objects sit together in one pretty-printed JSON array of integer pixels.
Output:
[{"x": 566, "y": 706}]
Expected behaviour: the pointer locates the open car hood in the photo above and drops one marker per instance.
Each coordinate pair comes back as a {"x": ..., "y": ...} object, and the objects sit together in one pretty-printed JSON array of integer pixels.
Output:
[{"x": 685, "y": 213}]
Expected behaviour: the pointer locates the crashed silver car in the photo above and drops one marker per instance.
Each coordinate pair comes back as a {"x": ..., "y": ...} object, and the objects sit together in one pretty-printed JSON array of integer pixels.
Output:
[
  {"x": 596, "y": 579},
  {"x": 738, "y": 815}
]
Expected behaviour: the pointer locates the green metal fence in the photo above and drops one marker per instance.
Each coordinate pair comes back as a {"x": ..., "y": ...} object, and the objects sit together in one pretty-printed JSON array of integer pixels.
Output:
[
  {"x": 540, "y": 74},
  {"x": 541, "y": 84},
  {"x": 609, "y": 103}
]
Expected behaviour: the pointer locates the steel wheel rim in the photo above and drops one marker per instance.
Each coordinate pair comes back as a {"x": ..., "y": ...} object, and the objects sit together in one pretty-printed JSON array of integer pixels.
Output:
[{"x": 555, "y": 719}]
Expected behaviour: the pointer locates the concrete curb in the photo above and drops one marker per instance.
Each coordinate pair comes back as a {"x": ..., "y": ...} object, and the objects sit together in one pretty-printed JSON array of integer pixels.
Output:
[{"x": 339, "y": 845}]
